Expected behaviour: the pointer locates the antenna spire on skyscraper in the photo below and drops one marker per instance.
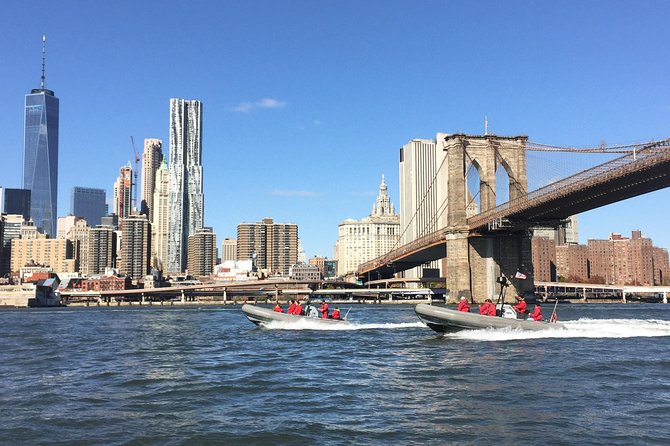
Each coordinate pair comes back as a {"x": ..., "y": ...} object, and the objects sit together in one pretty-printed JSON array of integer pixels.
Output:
[{"x": 44, "y": 57}]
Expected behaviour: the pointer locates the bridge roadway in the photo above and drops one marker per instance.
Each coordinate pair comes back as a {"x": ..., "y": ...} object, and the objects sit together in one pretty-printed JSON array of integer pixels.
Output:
[
  {"x": 628, "y": 176},
  {"x": 267, "y": 288}
]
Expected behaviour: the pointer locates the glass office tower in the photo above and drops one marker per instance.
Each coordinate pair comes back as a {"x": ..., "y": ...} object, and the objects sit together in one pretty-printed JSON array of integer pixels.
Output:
[
  {"x": 40, "y": 155},
  {"x": 89, "y": 204}
]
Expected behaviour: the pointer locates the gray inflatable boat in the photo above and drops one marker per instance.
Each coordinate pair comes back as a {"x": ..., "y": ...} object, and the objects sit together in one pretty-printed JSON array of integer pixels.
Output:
[
  {"x": 263, "y": 316},
  {"x": 445, "y": 320}
]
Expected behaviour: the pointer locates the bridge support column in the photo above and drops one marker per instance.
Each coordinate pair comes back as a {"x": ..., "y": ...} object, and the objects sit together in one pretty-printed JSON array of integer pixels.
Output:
[{"x": 474, "y": 263}]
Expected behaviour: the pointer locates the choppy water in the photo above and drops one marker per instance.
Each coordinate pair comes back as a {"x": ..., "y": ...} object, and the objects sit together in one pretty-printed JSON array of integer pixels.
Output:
[{"x": 189, "y": 376}]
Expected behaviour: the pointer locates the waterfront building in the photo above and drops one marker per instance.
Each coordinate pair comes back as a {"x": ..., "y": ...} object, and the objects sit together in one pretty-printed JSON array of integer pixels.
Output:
[
  {"x": 228, "y": 249},
  {"x": 185, "y": 197},
  {"x": 11, "y": 230},
  {"x": 303, "y": 272},
  {"x": 57, "y": 253},
  {"x": 422, "y": 194},
  {"x": 159, "y": 211},
  {"x": 64, "y": 225},
  {"x": 123, "y": 192},
  {"x": 544, "y": 258},
  {"x": 624, "y": 261},
  {"x": 330, "y": 269},
  {"x": 15, "y": 201},
  {"x": 135, "y": 246},
  {"x": 101, "y": 250},
  {"x": 566, "y": 234},
  {"x": 272, "y": 246},
  {"x": 40, "y": 154},
  {"x": 88, "y": 203},
  {"x": 572, "y": 262},
  {"x": 361, "y": 240},
  {"x": 661, "y": 266},
  {"x": 152, "y": 158},
  {"x": 320, "y": 263},
  {"x": 202, "y": 252},
  {"x": 78, "y": 233}
]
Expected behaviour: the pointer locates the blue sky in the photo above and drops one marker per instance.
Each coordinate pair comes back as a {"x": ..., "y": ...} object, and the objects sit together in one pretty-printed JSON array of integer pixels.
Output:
[{"x": 305, "y": 103}]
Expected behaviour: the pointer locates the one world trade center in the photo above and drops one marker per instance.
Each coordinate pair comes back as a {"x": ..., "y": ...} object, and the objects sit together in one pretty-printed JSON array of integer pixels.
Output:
[{"x": 40, "y": 154}]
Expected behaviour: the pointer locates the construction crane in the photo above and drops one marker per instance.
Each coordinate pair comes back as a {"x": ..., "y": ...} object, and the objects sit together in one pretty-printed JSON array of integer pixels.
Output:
[{"x": 134, "y": 185}]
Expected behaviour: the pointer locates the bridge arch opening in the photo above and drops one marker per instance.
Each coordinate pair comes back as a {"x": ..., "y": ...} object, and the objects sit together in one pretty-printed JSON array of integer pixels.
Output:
[
  {"x": 503, "y": 184},
  {"x": 473, "y": 189}
]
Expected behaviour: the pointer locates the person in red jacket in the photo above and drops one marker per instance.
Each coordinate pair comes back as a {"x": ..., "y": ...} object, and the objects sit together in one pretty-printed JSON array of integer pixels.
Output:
[
  {"x": 537, "y": 313},
  {"x": 463, "y": 305},
  {"x": 291, "y": 308},
  {"x": 521, "y": 307},
  {"x": 484, "y": 308},
  {"x": 492, "y": 308},
  {"x": 336, "y": 313},
  {"x": 298, "y": 308},
  {"x": 324, "y": 310},
  {"x": 278, "y": 308}
]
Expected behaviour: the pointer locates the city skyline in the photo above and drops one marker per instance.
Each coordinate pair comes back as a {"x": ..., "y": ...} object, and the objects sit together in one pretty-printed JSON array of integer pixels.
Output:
[{"x": 301, "y": 127}]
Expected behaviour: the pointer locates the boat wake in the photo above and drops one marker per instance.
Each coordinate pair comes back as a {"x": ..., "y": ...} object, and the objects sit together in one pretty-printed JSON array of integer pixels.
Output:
[
  {"x": 581, "y": 328},
  {"x": 306, "y": 324}
]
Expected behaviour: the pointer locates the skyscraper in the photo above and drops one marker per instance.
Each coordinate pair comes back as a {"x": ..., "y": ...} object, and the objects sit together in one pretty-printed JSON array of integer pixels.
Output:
[
  {"x": 135, "y": 247},
  {"x": 273, "y": 246},
  {"x": 89, "y": 204},
  {"x": 40, "y": 154},
  {"x": 159, "y": 211},
  {"x": 151, "y": 161},
  {"x": 202, "y": 252},
  {"x": 16, "y": 201},
  {"x": 123, "y": 192},
  {"x": 185, "y": 198}
]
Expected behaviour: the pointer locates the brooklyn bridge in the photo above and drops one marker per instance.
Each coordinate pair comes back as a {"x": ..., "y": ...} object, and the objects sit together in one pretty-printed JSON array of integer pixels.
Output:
[{"x": 495, "y": 240}]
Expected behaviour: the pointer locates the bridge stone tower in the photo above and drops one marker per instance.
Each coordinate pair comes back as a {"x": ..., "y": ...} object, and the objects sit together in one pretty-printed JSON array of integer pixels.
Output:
[{"x": 474, "y": 261}]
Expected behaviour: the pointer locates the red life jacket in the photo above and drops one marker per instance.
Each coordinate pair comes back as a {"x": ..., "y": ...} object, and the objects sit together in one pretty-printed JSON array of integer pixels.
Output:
[
  {"x": 278, "y": 309},
  {"x": 536, "y": 314},
  {"x": 336, "y": 314},
  {"x": 324, "y": 310},
  {"x": 291, "y": 309},
  {"x": 521, "y": 307},
  {"x": 492, "y": 310},
  {"x": 484, "y": 308},
  {"x": 298, "y": 309},
  {"x": 464, "y": 306}
]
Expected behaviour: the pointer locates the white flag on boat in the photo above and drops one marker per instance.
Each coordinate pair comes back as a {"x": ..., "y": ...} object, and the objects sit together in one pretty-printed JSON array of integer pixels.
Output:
[{"x": 519, "y": 275}]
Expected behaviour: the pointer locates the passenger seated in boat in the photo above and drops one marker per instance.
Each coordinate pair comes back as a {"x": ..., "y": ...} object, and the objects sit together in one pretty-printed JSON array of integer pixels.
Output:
[
  {"x": 537, "y": 313},
  {"x": 521, "y": 308},
  {"x": 463, "y": 305},
  {"x": 297, "y": 310},
  {"x": 324, "y": 310},
  {"x": 291, "y": 308},
  {"x": 336, "y": 313},
  {"x": 487, "y": 308},
  {"x": 278, "y": 308}
]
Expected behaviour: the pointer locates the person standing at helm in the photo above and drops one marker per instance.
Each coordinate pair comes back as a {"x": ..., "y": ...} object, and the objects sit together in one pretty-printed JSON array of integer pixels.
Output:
[
  {"x": 463, "y": 305},
  {"x": 324, "y": 310}
]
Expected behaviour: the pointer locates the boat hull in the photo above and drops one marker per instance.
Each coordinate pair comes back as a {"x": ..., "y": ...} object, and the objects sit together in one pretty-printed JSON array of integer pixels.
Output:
[
  {"x": 445, "y": 320},
  {"x": 262, "y": 316}
]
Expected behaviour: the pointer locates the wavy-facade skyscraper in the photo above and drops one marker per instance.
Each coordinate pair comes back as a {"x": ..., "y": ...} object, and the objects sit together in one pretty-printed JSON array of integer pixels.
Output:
[
  {"x": 40, "y": 154},
  {"x": 185, "y": 197}
]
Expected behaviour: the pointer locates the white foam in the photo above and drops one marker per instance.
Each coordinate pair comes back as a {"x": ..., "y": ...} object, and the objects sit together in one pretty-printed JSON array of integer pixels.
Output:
[
  {"x": 310, "y": 324},
  {"x": 582, "y": 328}
]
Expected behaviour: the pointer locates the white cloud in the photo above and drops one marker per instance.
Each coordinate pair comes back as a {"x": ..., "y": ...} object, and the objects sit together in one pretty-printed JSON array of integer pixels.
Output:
[
  {"x": 246, "y": 107},
  {"x": 294, "y": 193}
]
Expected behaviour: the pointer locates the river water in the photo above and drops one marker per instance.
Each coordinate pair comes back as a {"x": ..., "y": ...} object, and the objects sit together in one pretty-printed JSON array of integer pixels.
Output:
[{"x": 206, "y": 375}]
